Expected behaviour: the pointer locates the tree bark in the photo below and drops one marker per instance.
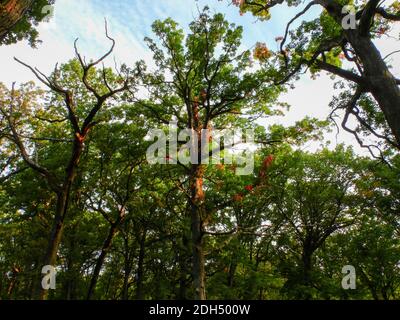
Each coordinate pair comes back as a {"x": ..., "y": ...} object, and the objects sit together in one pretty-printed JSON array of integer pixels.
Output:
[
  {"x": 125, "y": 287},
  {"x": 381, "y": 81},
  {"x": 70, "y": 284},
  {"x": 140, "y": 270},
  {"x": 10, "y": 13},
  {"x": 197, "y": 197},
  {"x": 100, "y": 260},
  {"x": 128, "y": 265},
  {"x": 55, "y": 237},
  {"x": 61, "y": 210},
  {"x": 182, "y": 260},
  {"x": 306, "y": 257},
  {"x": 231, "y": 274},
  {"x": 13, "y": 282}
]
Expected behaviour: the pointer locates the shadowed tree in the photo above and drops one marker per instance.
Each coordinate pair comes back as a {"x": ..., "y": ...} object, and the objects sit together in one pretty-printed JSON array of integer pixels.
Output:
[
  {"x": 373, "y": 97},
  {"x": 19, "y": 18},
  {"x": 96, "y": 90},
  {"x": 203, "y": 81}
]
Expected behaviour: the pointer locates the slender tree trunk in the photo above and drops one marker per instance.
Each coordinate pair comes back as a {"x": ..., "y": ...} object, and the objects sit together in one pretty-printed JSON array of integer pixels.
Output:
[
  {"x": 55, "y": 237},
  {"x": 58, "y": 226},
  {"x": 100, "y": 260},
  {"x": 61, "y": 210},
  {"x": 306, "y": 259},
  {"x": 182, "y": 278},
  {"x": 370, "y": 285},
  {"x": 232, "y": 271},
  {"x": 128, "y": 265},
  {"x": 197, "y": 197},
  {"x": 182, "y": 258},
  {"x": 13, "y": 282},
  {"x": 140, "y": 270},
  {"x": 70, "y": 293},
  {"x": 125, "y": 286},
  {"x": 10, "y": 13},
  {"x": 306, "y": 266},
  {"x": 381, "y": 81}
]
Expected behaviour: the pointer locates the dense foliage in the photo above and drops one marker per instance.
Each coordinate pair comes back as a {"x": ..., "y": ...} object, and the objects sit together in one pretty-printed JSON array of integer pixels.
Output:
[
  {"x": 77, "y": 191},
  {"x": 19, "y": 20}
]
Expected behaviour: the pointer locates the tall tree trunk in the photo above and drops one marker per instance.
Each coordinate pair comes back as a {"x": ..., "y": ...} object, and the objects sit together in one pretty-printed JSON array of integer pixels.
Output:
[
  {"x": 55, "y": 237},
  {"x": 125, "y": 286},
  {"x": 61, "y": 210},
  {"x": 306, "y": 259},
  {"x": 182, "y": 259},
  {"x": 128, "y": 265},
  {"x": 381, "y": 81},
  {"x": 70, "y": 285},
  {"x": 10, "y": 13},
  {"x": 13, "y": 281},
  {"x": 232, "y": 271},
  {"x": 197, "y": 198},
  {"x": 100, "y": 260},
  {"x": 182, "y": 278},
  {"x": 140, "y": 270}
]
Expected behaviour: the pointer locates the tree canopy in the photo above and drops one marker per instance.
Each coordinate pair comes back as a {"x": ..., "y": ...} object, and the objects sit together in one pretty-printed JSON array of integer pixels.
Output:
[
  {"x": 19, "y": 20},
  {"x": 79, "y": 193}
]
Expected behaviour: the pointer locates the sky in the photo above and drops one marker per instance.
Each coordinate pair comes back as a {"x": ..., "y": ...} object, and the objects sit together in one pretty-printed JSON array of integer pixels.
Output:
[{"x": 129, "y": 22}]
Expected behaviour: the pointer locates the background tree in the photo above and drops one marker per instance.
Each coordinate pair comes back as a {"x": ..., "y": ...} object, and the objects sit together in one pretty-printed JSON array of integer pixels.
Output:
[
  {"x": 201, "y": 87},
  {"x": 19, "y": 19},
  {"x": 330, "y": 43},
  {"x": 131, "y": 230},
  {"x": 94, "y": 98}
]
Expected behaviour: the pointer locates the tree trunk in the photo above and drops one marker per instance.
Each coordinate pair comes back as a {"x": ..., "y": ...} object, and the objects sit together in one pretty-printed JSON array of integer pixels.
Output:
[
  {"x": 100, "y": 260},
  {"x": 61, "y": 210},
  {"x": 381, "y": 81},
  {"x": 10, "y": 13},
  {"x": 13, "y": 282},
  {"x": 128, "y": 257},
  {"x": 140, "y": 270},
  {"x": 125, "y": 286},
  {"x": 55, "y": 237},
  {"x": 231, "y": 274},
  {"x": 182, "y": 260},
  {"x": 306, "y": 259},
  {"x": 197, "y": 198},
  {"x": 70, "y": 285}
]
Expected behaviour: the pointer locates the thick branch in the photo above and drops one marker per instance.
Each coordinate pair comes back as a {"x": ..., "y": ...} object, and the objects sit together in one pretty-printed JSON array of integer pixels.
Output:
[
  {"x": 367, "y": 17},
  {"x": 387, "y": 15},
  {"x": 348, "y": 75}
]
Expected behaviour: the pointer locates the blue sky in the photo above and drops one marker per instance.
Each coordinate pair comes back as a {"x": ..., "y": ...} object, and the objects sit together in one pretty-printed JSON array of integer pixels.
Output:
[{"x": 130, "y": 21}]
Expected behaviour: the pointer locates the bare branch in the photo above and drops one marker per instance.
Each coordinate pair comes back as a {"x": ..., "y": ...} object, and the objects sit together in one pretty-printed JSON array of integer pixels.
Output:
[
  {"x": 348, "y": 75},
  {"x": 51, "y": 179},
  {"x": 312, "y": 3}
]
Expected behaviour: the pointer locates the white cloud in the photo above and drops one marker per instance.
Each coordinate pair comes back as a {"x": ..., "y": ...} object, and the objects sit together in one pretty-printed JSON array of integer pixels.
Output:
[{"x": 130, "y": 21}]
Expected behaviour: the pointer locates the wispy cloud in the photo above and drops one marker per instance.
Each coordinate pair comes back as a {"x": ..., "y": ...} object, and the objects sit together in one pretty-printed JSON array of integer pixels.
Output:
[{"x": 130, "y": 21}]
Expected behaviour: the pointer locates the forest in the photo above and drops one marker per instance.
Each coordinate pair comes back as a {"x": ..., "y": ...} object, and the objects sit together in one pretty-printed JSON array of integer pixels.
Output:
[{"x": 105, "y": 195}]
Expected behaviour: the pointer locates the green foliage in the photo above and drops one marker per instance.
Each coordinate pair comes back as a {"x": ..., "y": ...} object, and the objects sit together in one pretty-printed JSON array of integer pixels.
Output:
[
  {"x": 285, "y": 231},
  {"x": 26, "y": 28}
]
